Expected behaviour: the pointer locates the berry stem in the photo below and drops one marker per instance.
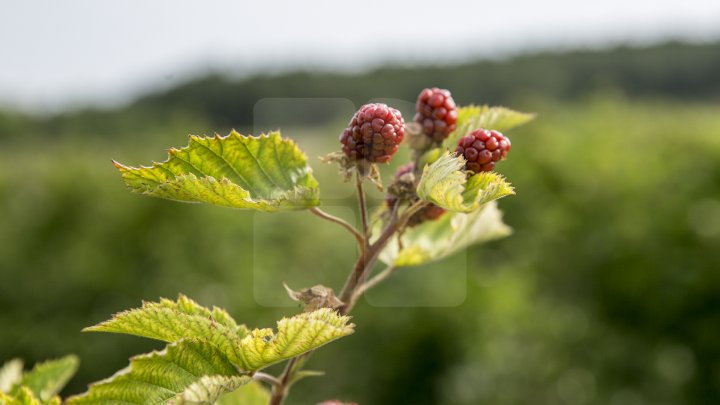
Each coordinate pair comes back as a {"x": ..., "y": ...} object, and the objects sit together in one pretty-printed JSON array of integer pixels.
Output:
[
  {"x": 363, "y": 208},
  {"x": 352, "y": 289},
  {"x": 265, "y": 377},
  {"x": 387, "y": 272},
  {"x": 324, "y": 215},
  {"x": 280, "y": 391}
]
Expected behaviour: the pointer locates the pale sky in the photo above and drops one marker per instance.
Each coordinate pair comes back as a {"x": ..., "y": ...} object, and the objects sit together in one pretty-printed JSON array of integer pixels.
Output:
[{"x": 55, "y": 53}]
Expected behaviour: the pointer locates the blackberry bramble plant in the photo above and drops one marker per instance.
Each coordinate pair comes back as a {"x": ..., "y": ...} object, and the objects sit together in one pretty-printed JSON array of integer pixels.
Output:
[{"x": 438, "y": 203}]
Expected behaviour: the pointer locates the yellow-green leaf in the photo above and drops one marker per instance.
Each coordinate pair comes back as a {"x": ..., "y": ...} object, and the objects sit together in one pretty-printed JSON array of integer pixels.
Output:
[
  {"x": 453, "y": 232},
  {"x": 473, "y": 117},
  {"x": 23, "y": 396},
  {"x": 295, "y": 335},
  {"x": 171, "y": 321},
  {"x": 264, "y": 173},
  {"x": 188, "y": 371},
  {"x": 252, "y": 393},
  {"x": 10, "y": 374},
  {"x": 445, "y": 184},
  {"x": 46, "y": 379},
  {"x": 208, "y": 389}
]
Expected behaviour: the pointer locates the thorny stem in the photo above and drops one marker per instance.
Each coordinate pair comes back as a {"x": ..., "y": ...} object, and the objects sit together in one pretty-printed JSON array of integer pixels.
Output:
[
  {"x": 353, "y": 288},
  {"x": 324, "y": 215}
]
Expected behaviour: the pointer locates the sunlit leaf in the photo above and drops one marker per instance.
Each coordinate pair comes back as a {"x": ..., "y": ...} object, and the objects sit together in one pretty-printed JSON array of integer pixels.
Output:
[
  {"x": 248, "y": 350},
  {"x": 445, "y": 184},
  {"x": 252, "y": 393},
  {"x": 453, "y": 232},
  {"x": 46, "y": 379},
  {"x": 295, "y": 335},
  {"x": 264, "y": 173},
  {"x": 473, "y": 117},
  {"x": 171, "y": 321},
  {"x": 10, "y": 374},
  {"x": 188, "y": 371}
]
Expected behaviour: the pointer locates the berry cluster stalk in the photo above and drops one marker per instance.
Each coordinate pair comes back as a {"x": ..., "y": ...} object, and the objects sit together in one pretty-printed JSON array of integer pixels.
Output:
[{"x": 355, "y": 285}]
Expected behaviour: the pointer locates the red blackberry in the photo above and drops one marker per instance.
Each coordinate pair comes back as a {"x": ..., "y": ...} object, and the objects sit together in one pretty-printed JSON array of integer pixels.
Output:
[
  {"x": 483, "y": 149},
  {"x": 436, "y": 112},
  {"x": 430, "y": 213},
  {"x": 373, "y": 134}
]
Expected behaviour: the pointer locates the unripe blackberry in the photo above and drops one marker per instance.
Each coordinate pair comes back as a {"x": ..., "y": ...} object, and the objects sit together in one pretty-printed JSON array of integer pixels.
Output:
[
  {"x": 430, "y": 213},
  {"x": 373, "y": 134},
  {"x": 436, "y": 113},
  {"x": 483, "y": 149}
]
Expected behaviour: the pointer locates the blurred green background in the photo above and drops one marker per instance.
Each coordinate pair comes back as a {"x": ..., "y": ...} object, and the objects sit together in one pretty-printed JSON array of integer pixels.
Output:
[{"x": 608, "y": 292}]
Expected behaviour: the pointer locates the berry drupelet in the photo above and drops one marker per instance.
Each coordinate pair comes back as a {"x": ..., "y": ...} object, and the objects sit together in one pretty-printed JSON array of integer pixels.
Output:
[
  {"x": 373, "y": 134},
  {"x": 482, "y": 149},
  {"x": 436, "y": 113}
]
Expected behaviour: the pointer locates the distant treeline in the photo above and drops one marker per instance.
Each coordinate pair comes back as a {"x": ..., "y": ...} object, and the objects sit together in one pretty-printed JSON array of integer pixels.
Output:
[{"x": 672, "y": 70}]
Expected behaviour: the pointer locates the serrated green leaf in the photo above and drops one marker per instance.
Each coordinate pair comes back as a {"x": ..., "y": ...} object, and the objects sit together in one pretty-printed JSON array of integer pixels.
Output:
[
  {"x": 23, "y": 396},
  {"x": 473, "y": 117},
  {"x": 208, "y": 389},
  {"x": 10, "y": 374},
  {"x": 46, "y": 379},
  {"x": 252, "y": 393},
  {"x": 264, "y": 173},
  {"x": 453, "y": 232},
  {"x": 295, "y": 335},
  {"x": 171, "y": 321},
  {"x": 445, "y": 184},
  {"x": 184, "y": 370}
]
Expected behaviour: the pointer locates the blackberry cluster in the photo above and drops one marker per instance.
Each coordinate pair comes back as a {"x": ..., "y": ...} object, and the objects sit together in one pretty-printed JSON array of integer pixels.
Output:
[
  {"x": 483, "y": 149},
  {"x": 373, "y": 134},
  {"x": 436, "y": 112}
]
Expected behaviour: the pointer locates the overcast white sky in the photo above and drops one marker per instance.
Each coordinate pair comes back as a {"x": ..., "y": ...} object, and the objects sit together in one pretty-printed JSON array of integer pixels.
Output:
[{"x": 65, "y": 52}]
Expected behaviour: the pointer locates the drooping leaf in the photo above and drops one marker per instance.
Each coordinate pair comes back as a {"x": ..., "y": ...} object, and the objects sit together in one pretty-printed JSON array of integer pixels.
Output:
[
  {"x": 473, "y": 117},
  {"x": 10, "y": 374},
  {"x": 183, "y": 371},
  {"x": 252, "y": 393},
  {"x": 173, "y": 321},
  {"x": 264, "y": 173},
  {"x": 295, "y": 335},
  {"x": 445, "y": 184},
  {"x": 453, "y": 232},
  {"x": 46, "y": 379}
]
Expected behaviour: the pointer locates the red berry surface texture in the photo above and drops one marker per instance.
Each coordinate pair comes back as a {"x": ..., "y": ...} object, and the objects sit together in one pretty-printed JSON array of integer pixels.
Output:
[
  {"x": 482, "y": 149},
  {"x": 373, "y": 134},
  {"x": 436, "y": 112}
]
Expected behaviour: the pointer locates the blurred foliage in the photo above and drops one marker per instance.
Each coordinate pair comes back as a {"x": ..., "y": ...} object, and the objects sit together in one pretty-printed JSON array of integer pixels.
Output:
[{"x": 607, "y": 293}]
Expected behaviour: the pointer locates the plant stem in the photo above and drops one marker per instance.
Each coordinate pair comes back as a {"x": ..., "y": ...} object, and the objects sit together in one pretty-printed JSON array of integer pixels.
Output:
[
  {"x": 349, "y": 294},
  {"x": 260, "y": 376},
  {"x": 324, "y": 215},
  {"x": 387, "y": 272},
  {"x": 363, "y": 207},
  {"x": 279, "y": 391}
]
